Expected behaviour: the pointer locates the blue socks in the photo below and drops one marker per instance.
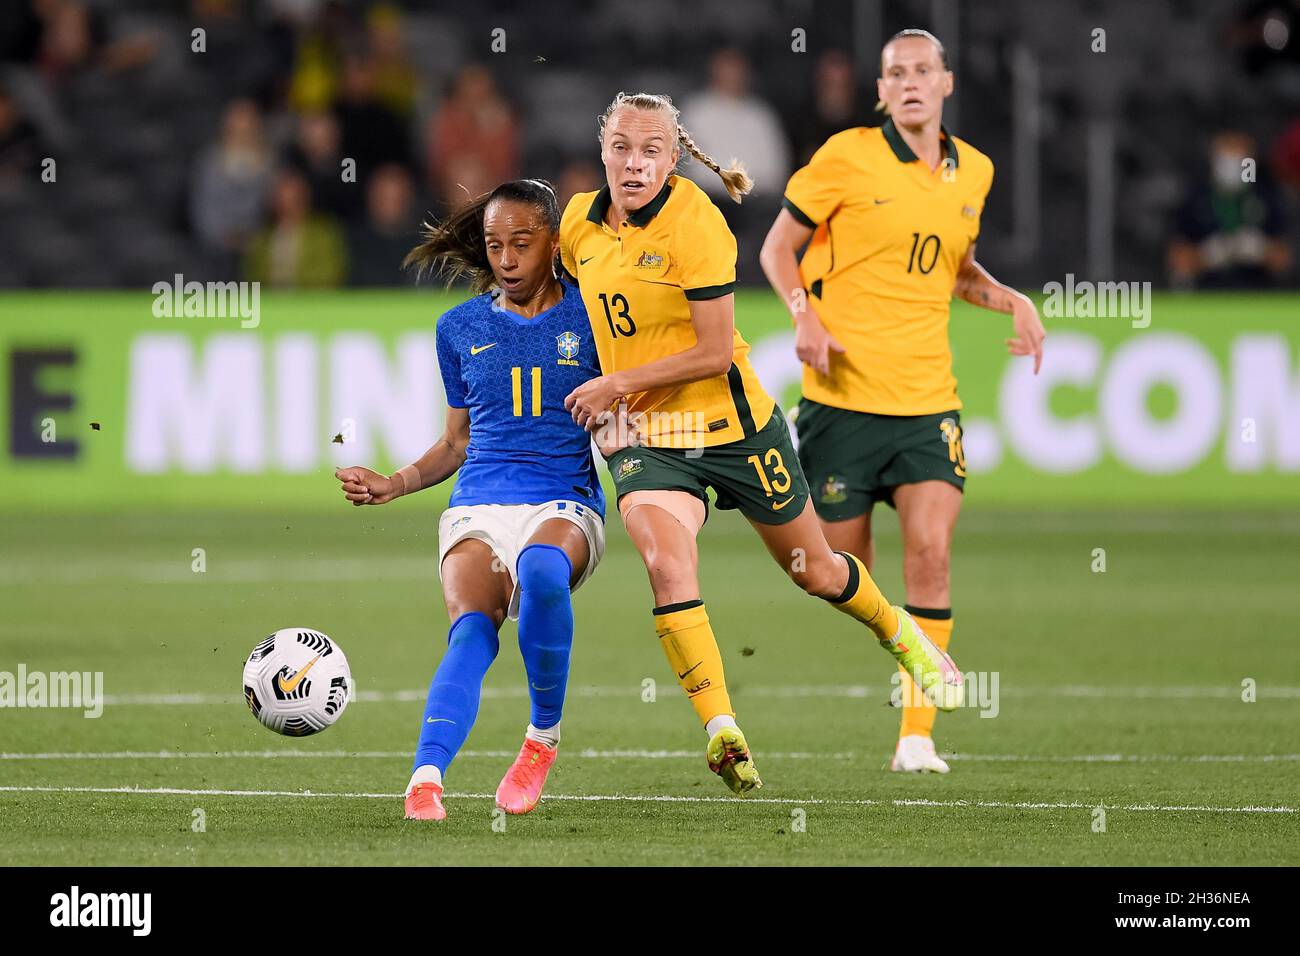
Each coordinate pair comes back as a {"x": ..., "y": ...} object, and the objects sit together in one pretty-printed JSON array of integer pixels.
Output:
[
  {"x": 454, "y": 692},
  {"x": 545, "y": 628},
  {"x": 545, "y": 642}
]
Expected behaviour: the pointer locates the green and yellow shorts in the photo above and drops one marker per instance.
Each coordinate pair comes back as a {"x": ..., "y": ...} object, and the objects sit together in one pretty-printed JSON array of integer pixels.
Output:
[
  {"x": 854, "y": 459},
  {"x": 759, "y": 475}
]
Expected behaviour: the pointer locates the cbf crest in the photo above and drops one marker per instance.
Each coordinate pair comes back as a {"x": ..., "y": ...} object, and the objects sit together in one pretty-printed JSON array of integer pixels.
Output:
[{"x": 567, "y": 345}]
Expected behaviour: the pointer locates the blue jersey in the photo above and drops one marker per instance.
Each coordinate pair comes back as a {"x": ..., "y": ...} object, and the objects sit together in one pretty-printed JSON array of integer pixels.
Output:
[{"x": 513, "y": 374}]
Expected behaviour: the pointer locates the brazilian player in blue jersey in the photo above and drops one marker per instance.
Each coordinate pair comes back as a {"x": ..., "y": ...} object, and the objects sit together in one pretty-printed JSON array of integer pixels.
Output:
[{"x": 525, "y": 524}]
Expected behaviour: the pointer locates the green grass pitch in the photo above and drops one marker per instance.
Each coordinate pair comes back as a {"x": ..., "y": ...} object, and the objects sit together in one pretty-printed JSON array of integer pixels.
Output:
[{"x": 1120, "y": 690}]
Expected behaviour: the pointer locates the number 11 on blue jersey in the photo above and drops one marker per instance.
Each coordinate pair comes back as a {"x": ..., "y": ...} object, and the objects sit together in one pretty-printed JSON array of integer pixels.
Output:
[{"x": 517, "y": 390}]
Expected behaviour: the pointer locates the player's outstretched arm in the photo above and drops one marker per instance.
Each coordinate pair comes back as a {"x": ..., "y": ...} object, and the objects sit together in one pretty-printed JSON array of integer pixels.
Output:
[
  {"x": 779, "y": 258},
  {"x": 361, "y": 486},
  {"x": 976, "y": 286}
]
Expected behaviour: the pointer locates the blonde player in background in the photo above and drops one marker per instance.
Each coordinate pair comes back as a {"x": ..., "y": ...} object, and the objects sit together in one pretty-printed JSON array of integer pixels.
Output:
[{"x": 890, "y": 216}]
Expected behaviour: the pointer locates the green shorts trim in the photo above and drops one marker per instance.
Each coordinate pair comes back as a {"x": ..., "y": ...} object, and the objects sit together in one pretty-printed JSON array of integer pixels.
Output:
[
  {"x": 854, "y": 459},
  {"x": 758, "y": 475}
]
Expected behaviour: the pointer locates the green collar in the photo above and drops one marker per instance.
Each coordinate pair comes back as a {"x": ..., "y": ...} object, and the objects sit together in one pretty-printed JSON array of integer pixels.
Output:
[
  {"x": 904, "y": 152},
  {"x": 639, "y": 218}
]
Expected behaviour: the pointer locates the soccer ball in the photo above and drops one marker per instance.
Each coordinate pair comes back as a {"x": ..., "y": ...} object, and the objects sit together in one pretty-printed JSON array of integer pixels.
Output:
[{"x": 297, "y": 682}]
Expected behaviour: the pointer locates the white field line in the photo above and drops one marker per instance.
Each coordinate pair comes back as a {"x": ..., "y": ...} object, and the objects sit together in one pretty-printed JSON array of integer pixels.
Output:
[
  {"x": 662, "y": 798},
  {"x": 633, "y": 692},
  {"x": 592, "y": 754}
]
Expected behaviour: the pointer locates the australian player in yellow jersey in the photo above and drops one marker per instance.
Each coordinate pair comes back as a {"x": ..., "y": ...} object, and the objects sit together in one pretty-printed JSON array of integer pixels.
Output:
[
  {"x": 656, "y": 266},
  {"x": 890, "y": 216}
]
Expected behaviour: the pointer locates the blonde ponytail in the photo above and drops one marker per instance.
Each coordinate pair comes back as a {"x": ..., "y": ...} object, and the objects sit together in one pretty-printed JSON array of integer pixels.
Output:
[{"x": 734, "y": 177}]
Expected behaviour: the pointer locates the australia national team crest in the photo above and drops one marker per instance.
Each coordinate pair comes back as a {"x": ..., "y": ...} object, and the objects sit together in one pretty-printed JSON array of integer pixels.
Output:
[{"x": 834, "y": 492}]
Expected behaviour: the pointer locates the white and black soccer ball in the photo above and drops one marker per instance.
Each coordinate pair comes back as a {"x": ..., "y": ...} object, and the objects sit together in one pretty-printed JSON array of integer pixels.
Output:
[{"x": 297, "y": 682}]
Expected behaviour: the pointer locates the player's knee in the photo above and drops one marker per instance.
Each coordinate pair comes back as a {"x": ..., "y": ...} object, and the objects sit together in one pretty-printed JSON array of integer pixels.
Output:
[
  {"x": 926, "y": 562},
  {"x": 544, "y": 571},
  {"x": 820, "y": 576},
  {"x": 468, "y": 633},
  {"x": 456, "y": 609},
  {"x": 669, "y": 579}
]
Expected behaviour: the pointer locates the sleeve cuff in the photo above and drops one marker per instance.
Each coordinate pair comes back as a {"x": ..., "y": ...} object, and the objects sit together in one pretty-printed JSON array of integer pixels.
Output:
[
  {"x": 798, "y": 213},
  {"x": 710, "y": 292}
]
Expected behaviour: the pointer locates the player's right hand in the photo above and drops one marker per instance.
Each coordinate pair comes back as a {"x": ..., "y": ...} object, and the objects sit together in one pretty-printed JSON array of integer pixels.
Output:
[
  {"x": 813, "y": 344},
  {"x": 361, "y": 486}
]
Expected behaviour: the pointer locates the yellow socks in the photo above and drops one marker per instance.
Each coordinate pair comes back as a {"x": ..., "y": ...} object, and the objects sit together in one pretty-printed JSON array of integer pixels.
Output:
[
  {"x": 863, "y": 601},
  {"x": 918, "y": 714},
  {"x": 693, "y": 654}
]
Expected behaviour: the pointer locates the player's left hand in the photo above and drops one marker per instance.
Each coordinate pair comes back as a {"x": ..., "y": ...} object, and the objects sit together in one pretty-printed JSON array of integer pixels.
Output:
[
  {"x": 1029, "y": 332},
  {"x": 590, "y": 399}
]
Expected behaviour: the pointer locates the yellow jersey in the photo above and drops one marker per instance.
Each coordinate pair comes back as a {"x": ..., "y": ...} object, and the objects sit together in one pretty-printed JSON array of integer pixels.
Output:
[
  {"x": 890, "y": 236},
  {"x": 638, "y": 282}
]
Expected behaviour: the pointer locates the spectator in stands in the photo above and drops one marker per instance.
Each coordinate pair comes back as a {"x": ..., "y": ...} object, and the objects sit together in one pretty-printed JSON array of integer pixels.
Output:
[
  {"x": 578, "y": 176},
  {"x": 733, "y": 122},
  {"x": 1230, "y": 232},
  {"x": 372, "y": 133},
  {"x": 316, "y": 34},
  {"x": 378, "y": 245},
  {"x": 316, "y": 153},
  {"x": 300, "y": 248},
  {"x": 75, "y": 38},
  {"x": 473, "y": 141},
  {"x": 396, "y": 82},
  {"x": 230, "y": 182},
  {"x": 836, "y": 105}
]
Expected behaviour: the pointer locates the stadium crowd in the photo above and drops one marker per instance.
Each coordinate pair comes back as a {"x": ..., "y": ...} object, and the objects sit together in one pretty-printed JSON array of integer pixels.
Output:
[{"x": 300, "y": 142}]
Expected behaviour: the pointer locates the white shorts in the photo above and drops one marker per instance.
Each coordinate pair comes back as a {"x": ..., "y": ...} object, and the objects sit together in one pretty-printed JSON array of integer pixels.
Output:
[{"x": 506, "y": 530}]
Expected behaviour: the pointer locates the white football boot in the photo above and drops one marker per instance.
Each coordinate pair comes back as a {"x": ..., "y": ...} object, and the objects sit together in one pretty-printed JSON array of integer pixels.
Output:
[{"x": 915, "y": 754}]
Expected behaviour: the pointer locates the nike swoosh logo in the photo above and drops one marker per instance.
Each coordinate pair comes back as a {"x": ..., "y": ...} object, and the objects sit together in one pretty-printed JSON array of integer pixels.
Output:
[
  {"x": 683, "y": 674},
  {"x": 475, "y": 349},
  {"x": 552, "y": 687},
  {"x": 291, "y": 684},
  {"x": 881, "y": 202},
  {"x": 778, "y": 506},
  {"x": 583, "y": 262},
  {"x": 439, "y": 720}
]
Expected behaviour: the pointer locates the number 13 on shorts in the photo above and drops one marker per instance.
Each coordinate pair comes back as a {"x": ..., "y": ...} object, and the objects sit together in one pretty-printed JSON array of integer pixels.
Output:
[{"x": 780, "y": 482}]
